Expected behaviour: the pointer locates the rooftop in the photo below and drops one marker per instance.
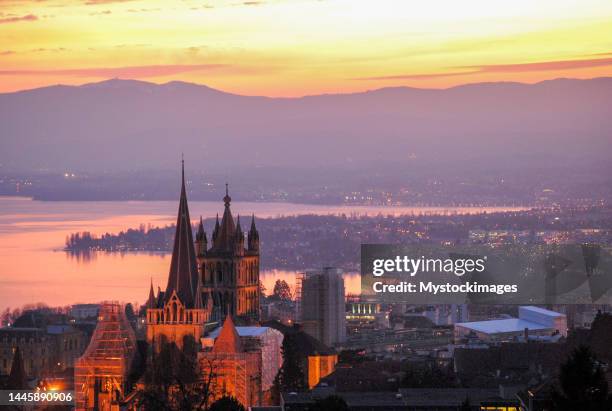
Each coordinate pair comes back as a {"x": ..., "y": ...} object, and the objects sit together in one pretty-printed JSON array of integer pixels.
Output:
[
  {"x": 242, "y": 331},
  {"x": 60, "y": 329},
  {"x": 542, "y": 311},
  {"x": 503, "y": 326}
]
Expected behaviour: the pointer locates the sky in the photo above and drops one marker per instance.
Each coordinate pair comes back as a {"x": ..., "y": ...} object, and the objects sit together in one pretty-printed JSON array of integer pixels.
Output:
[{"x": 302, "y": 47}]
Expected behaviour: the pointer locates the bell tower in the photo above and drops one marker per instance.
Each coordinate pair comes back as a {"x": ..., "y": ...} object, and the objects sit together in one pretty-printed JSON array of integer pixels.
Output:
[{"x": 230, "y": 272}]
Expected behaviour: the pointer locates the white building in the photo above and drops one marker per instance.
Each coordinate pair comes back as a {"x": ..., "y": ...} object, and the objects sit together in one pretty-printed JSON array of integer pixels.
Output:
[
  {"x": 83, "y": 311},
  {"x": 322, "y": 305},
  {"x": 533, "y": 322}
]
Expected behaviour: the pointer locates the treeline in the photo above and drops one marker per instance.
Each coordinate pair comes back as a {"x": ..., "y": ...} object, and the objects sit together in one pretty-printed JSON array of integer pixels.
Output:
[
  {"x": 140, "y": 239},
  {"x": 310, "y": 241}
]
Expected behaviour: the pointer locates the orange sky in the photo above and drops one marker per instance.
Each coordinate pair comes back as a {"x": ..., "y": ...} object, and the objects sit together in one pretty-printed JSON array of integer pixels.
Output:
[{"x": 297, "y": 47}]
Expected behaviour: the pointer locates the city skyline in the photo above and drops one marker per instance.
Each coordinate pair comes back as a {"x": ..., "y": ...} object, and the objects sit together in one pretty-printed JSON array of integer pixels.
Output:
[{"x": 294, "y": 48}]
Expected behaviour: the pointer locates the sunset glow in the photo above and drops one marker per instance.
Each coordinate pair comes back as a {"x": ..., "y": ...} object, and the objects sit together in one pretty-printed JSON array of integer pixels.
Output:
[{"x": 298, "y": 47}]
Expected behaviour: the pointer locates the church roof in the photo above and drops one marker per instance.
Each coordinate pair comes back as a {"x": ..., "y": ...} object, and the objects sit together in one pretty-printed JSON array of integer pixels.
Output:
[
  {"x": 183, "y": 267},
  {"x": 228, "y": 340}
]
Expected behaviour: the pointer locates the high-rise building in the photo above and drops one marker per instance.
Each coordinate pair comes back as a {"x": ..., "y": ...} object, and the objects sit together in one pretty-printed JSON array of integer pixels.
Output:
[{"x": 322, "y": 306}]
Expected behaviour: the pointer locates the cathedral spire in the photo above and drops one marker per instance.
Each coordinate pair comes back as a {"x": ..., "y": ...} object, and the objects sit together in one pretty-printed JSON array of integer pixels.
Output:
[
  {"x": 238, "y": 228},
  {"x": 151, "y": 303},
  {"x": 227, "y": 229},
  {"x": 183, "y": 268},
  {"x": 253, "y": 236},
  {"x": 198, "y": 295},
  {"x": 227, "y": 199},
  {"x": 200, "y": 234},
  {"x": 201, "y": 241}
]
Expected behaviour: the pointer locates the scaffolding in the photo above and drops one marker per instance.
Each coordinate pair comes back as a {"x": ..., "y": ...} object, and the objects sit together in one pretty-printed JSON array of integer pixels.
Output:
[
  {"x": 299, "y": 279},
  {"x": 100, "y": 373}
]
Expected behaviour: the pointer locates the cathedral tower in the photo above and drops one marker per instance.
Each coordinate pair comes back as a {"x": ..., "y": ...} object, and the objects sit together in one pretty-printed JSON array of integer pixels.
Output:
[{"x": 229, "y": 271}]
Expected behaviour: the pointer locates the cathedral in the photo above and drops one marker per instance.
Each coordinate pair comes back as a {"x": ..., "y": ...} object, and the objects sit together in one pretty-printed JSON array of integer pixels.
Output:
[{"x": 206, "y": 281}]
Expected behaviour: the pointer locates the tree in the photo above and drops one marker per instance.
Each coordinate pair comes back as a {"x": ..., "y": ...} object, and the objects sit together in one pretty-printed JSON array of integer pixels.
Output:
[
  {"x": 290, "y": 377},
  {"x": 5, "y": 318},
  {"x": 583, "y": 384},
  {"x": 331, "y": 403},
  {"x": 174, "y": 379},
  {"x": 599, "y": 336},
  {"x": 352, "y": 357},
  {"x": 129, "y": 312},
  {"x": 465, "y": 405},
  {"x": 282, "y": 291},
  {"x": 17, "y": 376},
  {"x": 226, "y": 403},
  {"x": 428, "y": 375}
]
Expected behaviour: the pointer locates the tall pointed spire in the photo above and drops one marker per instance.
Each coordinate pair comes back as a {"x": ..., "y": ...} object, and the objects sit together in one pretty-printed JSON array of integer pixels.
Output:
[
  {"x": 238, "y": 228},
  {"x": 200, "y": 233},
  {"x": 198, "y": 295},
  {"x": 151, "y": 303},
  {"x": 225, "y": 235},
  {"x": 183, "y": 268},
  {"x": 201, "y": 241},
  {"x": 253, "y": 236}
]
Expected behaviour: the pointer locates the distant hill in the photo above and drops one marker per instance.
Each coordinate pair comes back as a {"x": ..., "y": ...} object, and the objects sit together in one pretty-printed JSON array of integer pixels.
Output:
[{"x": 127, "y": 124}]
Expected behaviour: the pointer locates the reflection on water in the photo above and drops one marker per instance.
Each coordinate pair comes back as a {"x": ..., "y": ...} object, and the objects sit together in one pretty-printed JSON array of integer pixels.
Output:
[{"x": 33, "y": 270}]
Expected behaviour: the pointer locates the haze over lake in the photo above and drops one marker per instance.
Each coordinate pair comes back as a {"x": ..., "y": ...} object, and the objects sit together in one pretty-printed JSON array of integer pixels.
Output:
[{"x": 33, "y": 267}]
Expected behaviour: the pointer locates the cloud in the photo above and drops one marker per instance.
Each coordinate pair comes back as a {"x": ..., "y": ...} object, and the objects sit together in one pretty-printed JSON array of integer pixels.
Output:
[
  {"x": 52, "y": 50},
  {"x": 142, "y": 10},
  {"x": 97, "y": 2},
  {"x": 543, "y": 66},
  {"x": 120, "y": 72},
  {"x": 27, "y": 17},
  {"x": 6, "y": 52},
  {"x": 100, "y": 13},
  {"x": 419, "y": 76},
  {"x": 555, "y": 65}
]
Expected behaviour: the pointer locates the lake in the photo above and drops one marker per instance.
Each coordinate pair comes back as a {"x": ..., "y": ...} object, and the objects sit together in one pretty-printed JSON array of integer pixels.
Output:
[{"x": 33, "y": 267}]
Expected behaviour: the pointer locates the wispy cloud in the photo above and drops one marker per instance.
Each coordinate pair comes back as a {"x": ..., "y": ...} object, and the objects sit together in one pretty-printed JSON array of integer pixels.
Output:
[
  {"x": 121, "y": 72},
  {"x": 555, "y": 65},
  {"x": 6, "y": 52},
  {"x": 143, "y": 10},
  {"x": 543, "y": 66},
  {"x": 16, "y": 19},
  {"x": 96, "y": 2},
  {"x": 423, "y": 76},
  {"x": 100, "y": 13}
]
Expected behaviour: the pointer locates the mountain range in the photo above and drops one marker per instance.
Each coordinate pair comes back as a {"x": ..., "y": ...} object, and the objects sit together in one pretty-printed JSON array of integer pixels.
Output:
[{"x": 127, "y": 124}]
